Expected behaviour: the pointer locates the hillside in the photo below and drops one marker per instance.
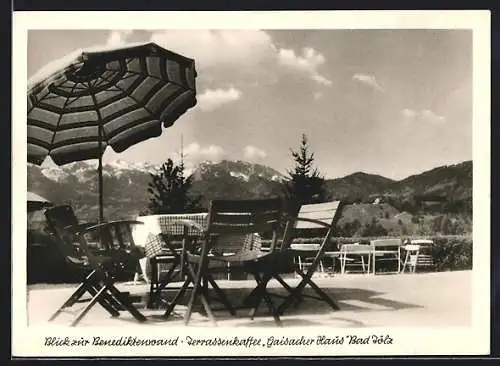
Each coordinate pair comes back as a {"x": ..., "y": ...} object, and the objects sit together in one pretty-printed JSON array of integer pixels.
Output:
[
  {"x": 125, "y": 191},
  {"x": 358, "y": 185},
  {"x": 450, "y": 181}
]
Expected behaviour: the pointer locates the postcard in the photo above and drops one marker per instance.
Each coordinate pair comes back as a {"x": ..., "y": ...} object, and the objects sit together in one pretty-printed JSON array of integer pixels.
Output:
[{"x": 251, "y": 184}]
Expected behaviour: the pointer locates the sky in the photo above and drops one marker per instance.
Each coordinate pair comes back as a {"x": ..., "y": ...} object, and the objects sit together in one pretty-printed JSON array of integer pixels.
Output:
[{"x": 387, "y": 102}]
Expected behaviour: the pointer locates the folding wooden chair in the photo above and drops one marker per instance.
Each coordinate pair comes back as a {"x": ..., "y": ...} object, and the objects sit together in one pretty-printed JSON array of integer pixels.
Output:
[
  {"x": 110, "y": 255},
  {"x": 386, "y": 251},
  {"x": 310, "y": 217},
  {"x": 226, "y": 219}
]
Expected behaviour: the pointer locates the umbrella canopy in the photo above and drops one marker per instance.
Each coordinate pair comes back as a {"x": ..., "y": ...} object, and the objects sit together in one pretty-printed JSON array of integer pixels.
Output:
[
  {"x": 107, "y": 97},
  {"x": 36, "y": 202}
]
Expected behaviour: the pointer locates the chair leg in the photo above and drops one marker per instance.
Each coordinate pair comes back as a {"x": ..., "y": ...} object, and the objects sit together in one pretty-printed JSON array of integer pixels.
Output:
[
  {"x": 89, "y": 306},
  {"x": 153, "y": 284},
  {"x": 77, "y": 294},
  {"x": 255, "y": 296},
  {"x": 155, "y": 292},
  {"x": 296, "y": 294},
  {"x": 322, "y": 294},
  {"x": 249, "y": 297},
  {"x": 177, "y": 296},
  {"x": 105, "y": 302},
  {"x": 399, "y": 260},
  {"x": 253, "y": 311},
  {"x": 268, "y": 301},
  {"x": 283, "y": 283},
  {"x": 222, "y": 296},
  {"x": 127, "y": 304},
  {"x": 194, "y": 294},
  {"x": 107, "y": 296},
  {"x": 262, "y": 294}
]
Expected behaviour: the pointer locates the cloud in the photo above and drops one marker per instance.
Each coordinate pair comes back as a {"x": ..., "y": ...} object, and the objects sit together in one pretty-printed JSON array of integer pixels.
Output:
[
  {"x": 424, "y": 115},
  {"x": 409, "y": 113},
  {"x": 217, "y": 47},
  {"x": 308, "y": 63},
  {"x": 118, "y": 37},
  {"x": 432, "y": 117},
  {"x": 211, "y": 99},
  {"x": 230, "y": 56},
  {"x": 318, "y": 95},
  {"x": 253, "y": 153},
  {"x": 194, "y": 153},
  {"x": 369, "y": 80}
]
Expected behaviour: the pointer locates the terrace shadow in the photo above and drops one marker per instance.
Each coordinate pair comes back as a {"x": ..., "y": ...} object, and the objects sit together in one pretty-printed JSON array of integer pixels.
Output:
[{"x": 349, "y": 299}]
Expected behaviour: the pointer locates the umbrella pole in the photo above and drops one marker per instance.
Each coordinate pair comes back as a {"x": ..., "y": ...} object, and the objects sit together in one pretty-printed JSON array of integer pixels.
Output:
[
  {"x": 101, "y": 200},
  {"x": 99, "y": 167}
]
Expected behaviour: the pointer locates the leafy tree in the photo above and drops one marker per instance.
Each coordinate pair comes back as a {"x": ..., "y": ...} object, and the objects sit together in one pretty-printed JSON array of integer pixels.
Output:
[
  {"x": 169, "y": 190},
  {"x": 306, "y": 184}
]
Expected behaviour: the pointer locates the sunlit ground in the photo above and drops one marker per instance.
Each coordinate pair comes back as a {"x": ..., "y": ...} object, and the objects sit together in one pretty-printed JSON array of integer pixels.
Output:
[{"x": 422, "y": 299}]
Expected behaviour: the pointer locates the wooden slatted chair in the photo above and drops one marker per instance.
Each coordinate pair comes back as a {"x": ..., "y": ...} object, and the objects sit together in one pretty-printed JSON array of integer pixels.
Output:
[
  {"x": 234, "y": 218},
  {"x": 112, "y": 254},
  {"x": 311, "y": 217}
]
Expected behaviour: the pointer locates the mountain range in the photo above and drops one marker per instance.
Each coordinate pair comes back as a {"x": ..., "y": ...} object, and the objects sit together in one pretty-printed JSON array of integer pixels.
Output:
[{"x": 126, "y": 196}]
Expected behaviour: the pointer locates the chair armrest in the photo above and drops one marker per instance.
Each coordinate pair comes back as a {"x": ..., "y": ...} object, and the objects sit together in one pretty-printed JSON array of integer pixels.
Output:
[
  {"x": 105, "y": 225},
  {"x": 79, "y": 227}
]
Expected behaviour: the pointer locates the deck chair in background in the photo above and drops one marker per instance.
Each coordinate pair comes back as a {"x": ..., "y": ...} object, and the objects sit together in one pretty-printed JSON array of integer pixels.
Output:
[
  {"x": 227, "y": 219},
  {"x": 110, "y": 255},
  {"x": 416, "y": 254},
  {"x": 355, "y": 255},
  {"x": 411, "y": 252},
  {"x": 386, "y": 251},
  {"x": 307, "y": 252},
  {"x": 312, "y": 216}
]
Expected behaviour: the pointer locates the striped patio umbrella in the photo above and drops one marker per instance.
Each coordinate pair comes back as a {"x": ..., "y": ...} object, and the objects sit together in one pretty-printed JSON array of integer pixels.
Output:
[{"x": 106, "y": 97}]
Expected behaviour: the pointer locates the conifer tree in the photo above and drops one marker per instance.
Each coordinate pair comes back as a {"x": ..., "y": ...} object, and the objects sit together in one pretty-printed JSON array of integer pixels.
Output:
[
  {"x": 170, "y": 190},
  {"x": 306, "y": 184}
]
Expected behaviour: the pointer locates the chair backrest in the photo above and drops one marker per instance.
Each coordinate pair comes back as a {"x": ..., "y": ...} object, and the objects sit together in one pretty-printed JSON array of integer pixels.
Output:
[
  {"x": 230, "y": 218},
  {"x": 386, "y": 244},
  {"x": 327, "y": 213},
  {"x": 244, "y": 216},
  {"x": 59, "y": 218},
  {"x": 412, "y": 247},
  {"x": 355, "y": 249}
]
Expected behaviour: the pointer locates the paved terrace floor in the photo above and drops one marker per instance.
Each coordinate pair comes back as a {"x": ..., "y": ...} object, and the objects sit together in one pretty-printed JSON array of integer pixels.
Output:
[{"x": 386, "y": 300}]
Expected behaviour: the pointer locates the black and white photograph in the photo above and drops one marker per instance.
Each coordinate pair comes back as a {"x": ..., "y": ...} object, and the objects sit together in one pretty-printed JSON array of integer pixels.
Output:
[{"x": 214, "y": 184}]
